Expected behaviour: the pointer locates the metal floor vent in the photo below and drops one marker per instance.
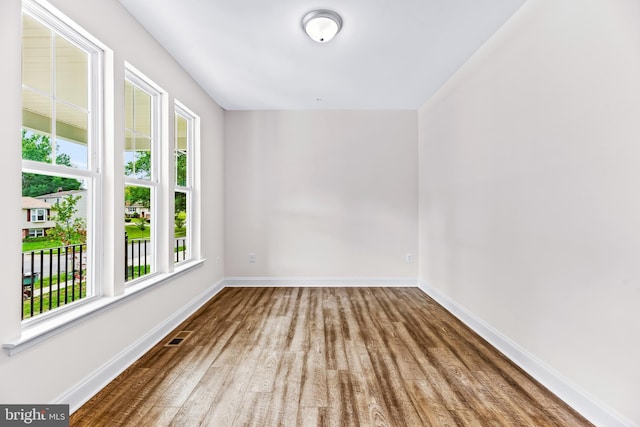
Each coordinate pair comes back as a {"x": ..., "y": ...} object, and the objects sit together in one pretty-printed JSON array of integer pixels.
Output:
[{"x": 178, "y": 338}]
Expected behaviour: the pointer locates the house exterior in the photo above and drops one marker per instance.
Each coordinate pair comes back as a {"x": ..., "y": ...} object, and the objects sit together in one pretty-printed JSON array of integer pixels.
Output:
[
  {"x": 58, "y": 197},
  {"x": 136, "y": 210},
  {"x": 36, "y": 217}
]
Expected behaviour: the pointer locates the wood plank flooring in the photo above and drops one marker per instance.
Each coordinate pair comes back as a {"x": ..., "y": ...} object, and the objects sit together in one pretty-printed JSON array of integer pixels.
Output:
[{"x": 324, "y": 356}]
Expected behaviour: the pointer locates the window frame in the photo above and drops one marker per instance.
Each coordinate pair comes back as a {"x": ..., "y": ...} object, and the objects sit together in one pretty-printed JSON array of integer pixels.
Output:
[
  {"x": 97, "y": 52},
  {"x": 192, "y": 134},
  {"x": 36, "y": 232},
  {"x": 158, "y": 95},
  {"x": 35, "y": 214},
  {"x": 104, "y": 182}
]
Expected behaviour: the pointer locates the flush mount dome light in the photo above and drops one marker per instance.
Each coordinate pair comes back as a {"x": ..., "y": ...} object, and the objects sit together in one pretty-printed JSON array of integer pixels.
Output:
[{"x": 321, "y": 25}]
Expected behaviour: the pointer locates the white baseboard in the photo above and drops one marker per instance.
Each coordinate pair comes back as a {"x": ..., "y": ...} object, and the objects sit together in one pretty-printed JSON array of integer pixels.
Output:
[
  {"x": 589, "y": 407},
  {"x": 83, "y": 391},
  {"x": 306, "y": 282}
]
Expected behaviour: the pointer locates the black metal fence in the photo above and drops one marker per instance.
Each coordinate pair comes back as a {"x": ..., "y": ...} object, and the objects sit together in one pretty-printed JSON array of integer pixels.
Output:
[
  {"x": 136, "y": 258},
  {"x": 57, "y": 276},
  {"x": 181, "y": 249},
  {"x": 52, "y": 277}
]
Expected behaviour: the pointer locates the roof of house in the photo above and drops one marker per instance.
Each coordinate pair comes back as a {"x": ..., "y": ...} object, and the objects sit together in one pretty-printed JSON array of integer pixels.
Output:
[
  {"x": 32, "y": 203},
  {"x": 61, "y": 194}
]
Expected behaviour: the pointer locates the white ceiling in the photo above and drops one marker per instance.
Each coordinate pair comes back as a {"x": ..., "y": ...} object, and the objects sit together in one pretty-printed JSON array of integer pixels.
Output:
[{"x": 254, "y": 55}]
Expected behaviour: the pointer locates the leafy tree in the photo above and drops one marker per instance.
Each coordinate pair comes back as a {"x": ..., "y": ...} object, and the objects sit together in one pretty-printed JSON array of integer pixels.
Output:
[
  {"x": 141, "y": 223},
  {"x": 38, "y": 148},
  {"x": 34, "y": 185},
  {"x": 181, "y": 219},
  {"x": 68, "y": 229},
  {"x": 141, "y": 166},
  {"x": 181, "y": 168},
  {"x": 180, "y": 202},
  {"x": 137, "y": 195}
]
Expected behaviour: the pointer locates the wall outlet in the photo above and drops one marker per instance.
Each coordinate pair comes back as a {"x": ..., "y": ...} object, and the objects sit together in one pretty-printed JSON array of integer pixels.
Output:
[
  {"x": 218, "y": 260},
  {"x": 252, "y": 257},
  {"x": 408, "y": 257}
]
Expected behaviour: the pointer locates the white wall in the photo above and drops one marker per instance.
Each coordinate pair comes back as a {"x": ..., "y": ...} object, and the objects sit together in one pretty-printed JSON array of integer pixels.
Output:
[
  {"x": 47, "y": 371},
  {"x": 321, "y": 194},
  {"x": 530, "y": 191}
]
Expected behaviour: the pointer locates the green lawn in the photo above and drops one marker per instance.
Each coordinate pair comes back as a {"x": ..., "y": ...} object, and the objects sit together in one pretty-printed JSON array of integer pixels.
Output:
[
  {"x": 53, "y": 280},
  {"x": 133, "y": 272},
  {"x": 133, "y": 232},
  {"x": 36, "y": 246},
  {"x": 65, "y": 298}
]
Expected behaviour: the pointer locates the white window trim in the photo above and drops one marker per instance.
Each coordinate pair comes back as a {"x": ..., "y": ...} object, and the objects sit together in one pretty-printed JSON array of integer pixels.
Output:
[
  {"x": 97, "y": 52},
  {"x": 36, "y": 232},
  {"x": 35, "y": 214},
  {"x": 52, "y": 323},
  {"x": 193, "y": 122},
  {"x": 38, "y": 331},
  {"x": 158, "y": 99}
]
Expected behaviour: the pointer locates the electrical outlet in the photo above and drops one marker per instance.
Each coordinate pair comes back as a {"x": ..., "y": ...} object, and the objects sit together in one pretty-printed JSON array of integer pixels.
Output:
[
  {"x": 408, "y": 257},
  {"x": 252, "y": 257},
  {"x": 218, "y": 260}
]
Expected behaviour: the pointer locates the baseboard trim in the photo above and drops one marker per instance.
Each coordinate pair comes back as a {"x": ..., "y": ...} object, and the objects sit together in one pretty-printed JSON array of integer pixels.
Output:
[
  {"x": 82, "y": 392},
  {"x": 595, "y": 411},
  {"x": 588, "y": 406},
  {"x": 306, "y": 282}
]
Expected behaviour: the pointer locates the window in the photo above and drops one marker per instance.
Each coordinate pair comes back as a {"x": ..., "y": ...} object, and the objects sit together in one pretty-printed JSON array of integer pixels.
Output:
[
  {"x": 63, "y": 172},
  {"x": 38, "y": 215},
  {"x": 61, "y": 122},
  {"x": 36, "y": 232},
  {"x": 185, "y": 132},
  {"x": 142, "y": 151}
]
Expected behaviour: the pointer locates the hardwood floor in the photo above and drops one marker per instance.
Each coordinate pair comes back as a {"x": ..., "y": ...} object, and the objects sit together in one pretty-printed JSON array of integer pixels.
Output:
[{"x": 324, "y": 356}]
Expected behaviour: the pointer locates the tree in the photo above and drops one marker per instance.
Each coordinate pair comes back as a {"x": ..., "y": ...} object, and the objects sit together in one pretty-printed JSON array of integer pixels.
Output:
[
  {"x": 180, "y": 201},
  {"x": 141, "y": 223},
  {"x": 68, "y": 229},
  {"x": 141, "y": 166},
  {"x": 180, "y": 219},
  {"x": 38, "y": 148},
  {"x": 137, "y": 195},
  {"x": 181, "y": 168}
]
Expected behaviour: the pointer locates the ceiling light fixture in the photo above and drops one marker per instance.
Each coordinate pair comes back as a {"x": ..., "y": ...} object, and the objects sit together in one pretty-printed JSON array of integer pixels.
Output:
[{"x": 322, "y": 25}]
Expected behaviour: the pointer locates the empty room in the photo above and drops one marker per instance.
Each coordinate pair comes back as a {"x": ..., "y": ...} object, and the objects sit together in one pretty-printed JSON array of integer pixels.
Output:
[{"x": 410, "y": 213}]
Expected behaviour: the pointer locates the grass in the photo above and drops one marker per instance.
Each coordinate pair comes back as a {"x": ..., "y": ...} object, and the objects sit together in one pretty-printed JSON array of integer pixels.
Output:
[
  {"x": 38, "y": 245},
  {"x": 80, "y": 291},
  {"x": 133, "y": 272},
  {"x": 53, "y": 280},
  {"x": 133, "y": 232}
]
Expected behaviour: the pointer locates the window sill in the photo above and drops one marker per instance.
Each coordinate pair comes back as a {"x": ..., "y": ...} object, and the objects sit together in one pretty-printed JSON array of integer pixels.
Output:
[{"x": 40, "y": 331}]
